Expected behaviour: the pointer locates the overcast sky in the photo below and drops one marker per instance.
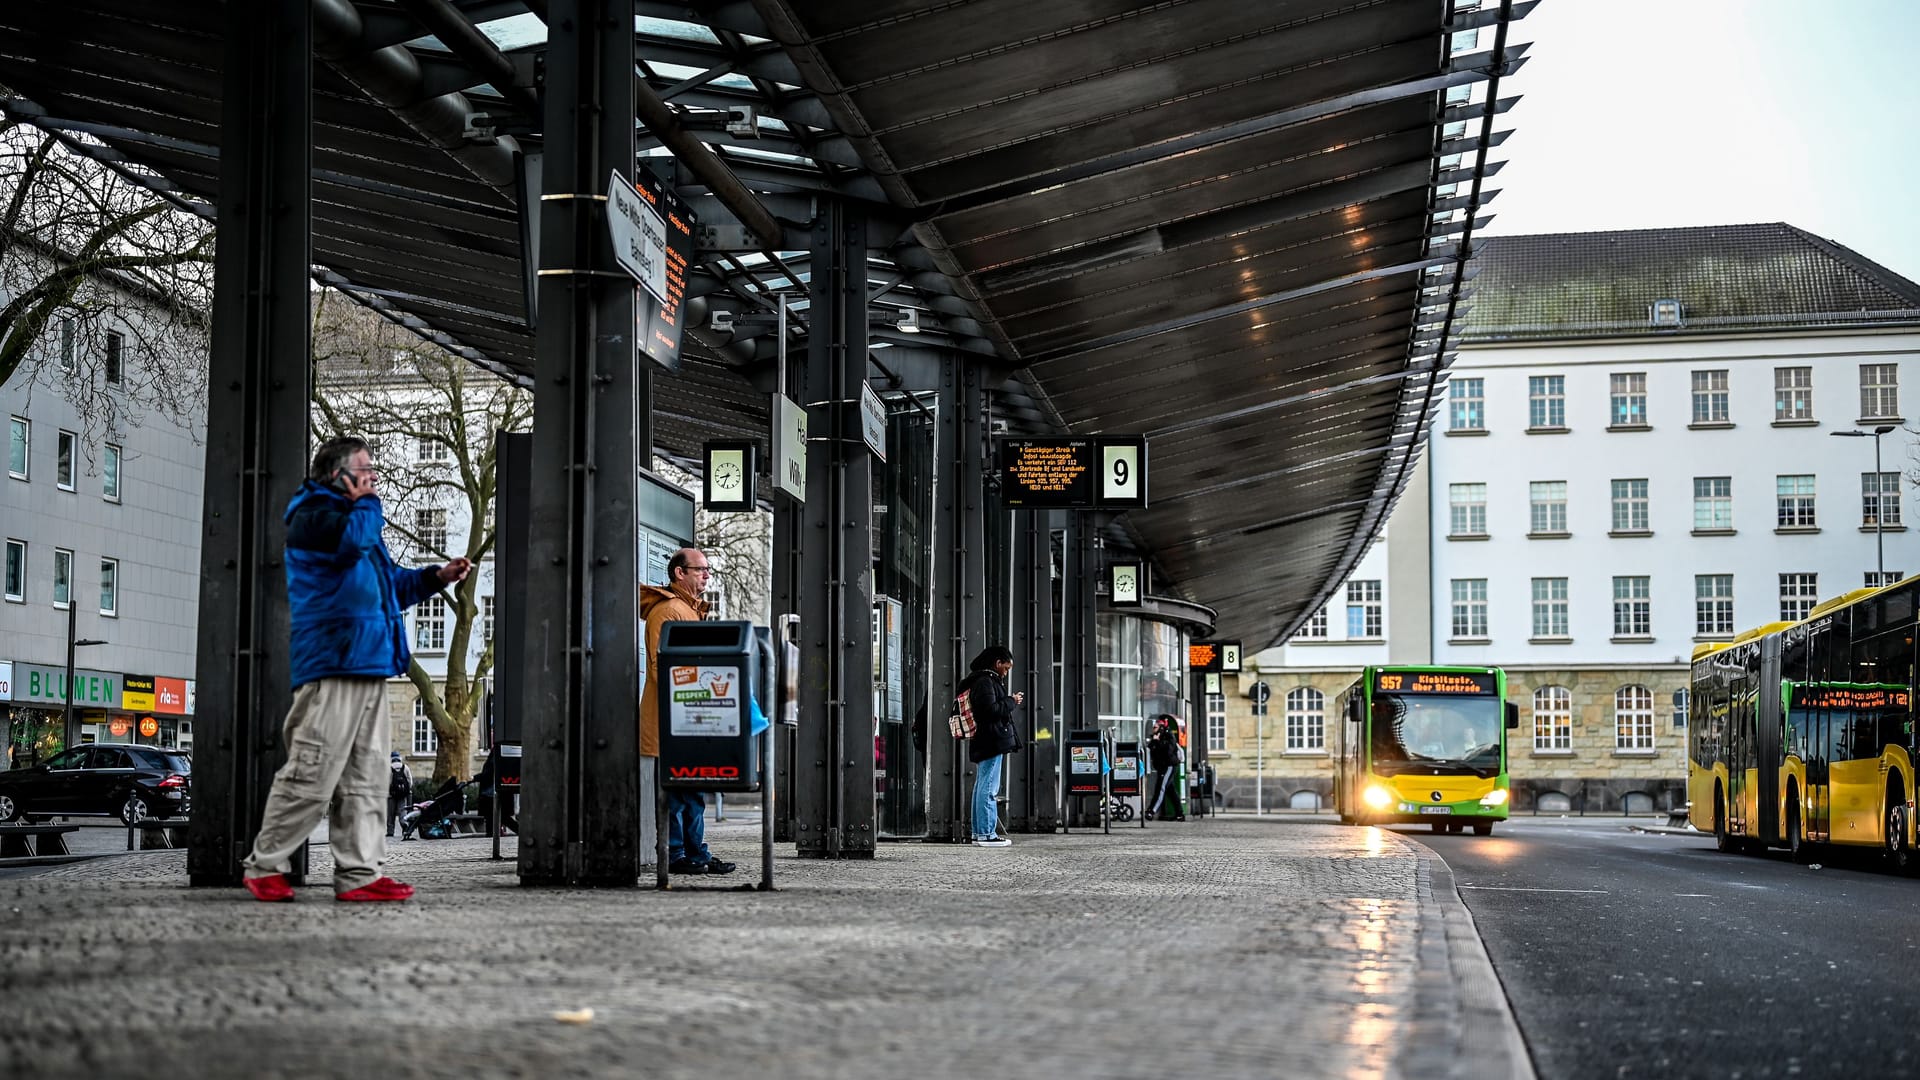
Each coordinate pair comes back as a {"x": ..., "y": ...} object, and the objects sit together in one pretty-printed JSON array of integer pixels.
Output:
[{"x": 1647, "y": 113}]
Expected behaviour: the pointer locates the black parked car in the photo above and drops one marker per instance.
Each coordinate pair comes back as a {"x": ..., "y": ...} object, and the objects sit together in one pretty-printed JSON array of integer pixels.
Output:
[{"x": 132, "y": 783}]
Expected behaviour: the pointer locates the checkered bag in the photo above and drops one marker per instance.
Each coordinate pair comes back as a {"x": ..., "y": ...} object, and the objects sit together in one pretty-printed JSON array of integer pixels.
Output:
[{"x": 961, "y": 722}]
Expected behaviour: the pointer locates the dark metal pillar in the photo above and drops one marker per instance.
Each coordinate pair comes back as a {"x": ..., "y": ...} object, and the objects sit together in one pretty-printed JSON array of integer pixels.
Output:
[
  {"x": 959, "y": 612},
  {"x": 1080, "y": 670},
  {"x": 259, "y": 375},
  {"x": 580, "y": 822},
  {"x": 1033, "y": 774},
  {"x": 787, "y": 543},
  {"x": 833, "y": 763}
]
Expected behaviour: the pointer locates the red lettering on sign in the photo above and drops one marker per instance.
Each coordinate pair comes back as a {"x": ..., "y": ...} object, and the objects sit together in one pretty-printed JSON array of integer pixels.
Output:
[{"x": 703, "y": 772}]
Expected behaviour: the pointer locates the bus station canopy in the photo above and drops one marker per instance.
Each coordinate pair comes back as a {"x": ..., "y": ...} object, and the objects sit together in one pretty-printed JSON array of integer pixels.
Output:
[{"x": 1240, "y": 229}]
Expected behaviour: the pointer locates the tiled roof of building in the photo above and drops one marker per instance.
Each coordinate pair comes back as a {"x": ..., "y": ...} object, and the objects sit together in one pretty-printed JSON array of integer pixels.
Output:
[{"x": 1726, "y": 277}]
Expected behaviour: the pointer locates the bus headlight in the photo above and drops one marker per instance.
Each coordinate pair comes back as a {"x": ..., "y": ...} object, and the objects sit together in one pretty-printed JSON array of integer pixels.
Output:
[
  {"x": 1377, "y": 796},
  {"x": 1496, "y": 797}
]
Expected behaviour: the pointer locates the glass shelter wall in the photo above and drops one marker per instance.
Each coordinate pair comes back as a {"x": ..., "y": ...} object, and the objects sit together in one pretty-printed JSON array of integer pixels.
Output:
[
  {"x": 903, "y": 614},
  {"x": 1143, "y": 672}
]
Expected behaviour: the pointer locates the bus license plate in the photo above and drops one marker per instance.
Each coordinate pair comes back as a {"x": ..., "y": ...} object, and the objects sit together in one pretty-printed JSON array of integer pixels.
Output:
[{"x": 1436, "y": 809}]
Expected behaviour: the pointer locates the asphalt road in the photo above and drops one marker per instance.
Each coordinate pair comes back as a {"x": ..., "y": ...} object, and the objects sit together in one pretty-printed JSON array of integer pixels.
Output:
[{"x": 1629, "y": 954}]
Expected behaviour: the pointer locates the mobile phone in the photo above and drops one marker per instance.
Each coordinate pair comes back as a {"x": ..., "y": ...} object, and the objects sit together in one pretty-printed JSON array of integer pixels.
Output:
[{"x": 340, "y": 479}]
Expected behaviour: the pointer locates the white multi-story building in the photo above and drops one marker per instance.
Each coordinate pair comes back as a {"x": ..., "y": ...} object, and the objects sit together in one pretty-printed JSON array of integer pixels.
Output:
[{"x": 1637, "y": 455}]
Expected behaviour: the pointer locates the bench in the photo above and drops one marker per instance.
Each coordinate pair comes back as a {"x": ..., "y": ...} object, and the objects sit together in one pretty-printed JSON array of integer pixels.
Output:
[
  {"x": 46, "y": 840},
  {"x": 467, "y": 824}
]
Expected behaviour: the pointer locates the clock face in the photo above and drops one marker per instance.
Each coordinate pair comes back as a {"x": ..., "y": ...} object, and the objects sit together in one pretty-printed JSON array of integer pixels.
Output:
[{"x": 726, "y": 476}]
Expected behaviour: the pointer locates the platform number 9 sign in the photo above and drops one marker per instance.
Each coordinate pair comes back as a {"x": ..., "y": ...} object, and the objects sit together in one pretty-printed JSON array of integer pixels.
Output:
[{"x": 1120, "y": 480}]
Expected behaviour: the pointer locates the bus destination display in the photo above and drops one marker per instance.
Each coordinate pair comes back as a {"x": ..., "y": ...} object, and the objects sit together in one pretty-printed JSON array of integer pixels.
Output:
[
  {"x": 1434, "y": 682},
  {"x": 1857, "y": 698}
]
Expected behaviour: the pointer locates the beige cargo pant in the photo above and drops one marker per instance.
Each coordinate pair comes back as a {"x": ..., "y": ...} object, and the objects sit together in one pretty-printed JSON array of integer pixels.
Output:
[{"x": 337, "y": 737}]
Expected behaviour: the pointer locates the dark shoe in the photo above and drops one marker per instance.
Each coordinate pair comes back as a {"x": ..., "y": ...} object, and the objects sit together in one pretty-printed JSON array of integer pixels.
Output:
[
  {"x": 272, "y": 889},
  {"x": 376, "y": 891},
  {"x": 716, "y": 866},
  {"x": 686, "y": 866}
]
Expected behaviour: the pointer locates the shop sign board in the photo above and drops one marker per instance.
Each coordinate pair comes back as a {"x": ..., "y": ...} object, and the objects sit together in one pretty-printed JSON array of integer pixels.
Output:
[
  {"x": 42, "y": 685},
  {"x": 136, "y": 693},
  {"x": 172, "y": 697},
  {"x": 6, "y": 680}
]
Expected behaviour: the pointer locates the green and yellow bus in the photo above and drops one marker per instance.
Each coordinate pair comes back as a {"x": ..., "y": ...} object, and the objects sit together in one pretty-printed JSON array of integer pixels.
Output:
[
  {"x": 1803, "y": 731},
  {"x": 1425, "y": 746}
]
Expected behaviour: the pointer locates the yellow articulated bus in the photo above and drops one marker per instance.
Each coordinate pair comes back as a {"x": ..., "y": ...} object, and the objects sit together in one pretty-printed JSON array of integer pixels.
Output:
[
  {"x": 1803, "y": 731},
  {"x": 1425, "y": 746}
]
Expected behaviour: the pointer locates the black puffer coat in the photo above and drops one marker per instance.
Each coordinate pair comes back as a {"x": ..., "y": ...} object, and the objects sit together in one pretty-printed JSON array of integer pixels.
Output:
[{"x": 995, "y": 732}]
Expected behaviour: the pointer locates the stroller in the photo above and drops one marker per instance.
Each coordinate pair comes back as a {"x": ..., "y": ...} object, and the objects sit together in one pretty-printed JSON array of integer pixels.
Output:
[{"x": 428, "y": 820}]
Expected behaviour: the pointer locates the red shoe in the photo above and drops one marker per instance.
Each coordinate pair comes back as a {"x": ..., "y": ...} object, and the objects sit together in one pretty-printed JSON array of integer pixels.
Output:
[
  {"x": 272, "y": 889},
  {"x": 380, "y": 889}
]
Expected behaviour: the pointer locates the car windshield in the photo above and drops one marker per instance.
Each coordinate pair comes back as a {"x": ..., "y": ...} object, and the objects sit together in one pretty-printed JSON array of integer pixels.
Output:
[{"x": 1436, "y": 734}]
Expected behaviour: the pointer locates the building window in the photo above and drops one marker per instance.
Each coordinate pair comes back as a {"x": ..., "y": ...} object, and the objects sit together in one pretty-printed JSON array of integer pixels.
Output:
[
  {"x": 1629, "y": 506},
  {"x": 1549, "y": 607},
  {"x": 1879, "y": 392},
  {"x": 1633, "y": 718},
  {"x": 62, "y": 577},
  {"x": 428, "y": 449},
  {"x": 1547, "y": 401},
  {"x": 1549, "y": 503},
  {"x": 1880, "y": 500},
  {"x": 1632, "y": 607},
  {"x": 431, "y": 527},
  {"x": 486, "y": 621},
  {"x": 68, "y": 354},
  {"x": 1314, "y": 627},
  {"x": 1306, "y": 719},
  {"x": 1469, "y": 607},
  {"x": 1553, "y": 718},
  {"x": 1680, "y": 708},
  {"x": 116, "y": 353},
  {"x": 1629, "y": 399},
  {"x": 430, "y": 624},
  {"x": 1466, "y": 405},
  {"x": 716, "y": 600},
  {"x": 63, "y": 461},
  {"x": 1712, "y": 502},
  {"x": 19, "y": 432},
  {"x": 1216, "y": 721},
  {"x": 1795, "y": 495},
  {"x": 1664, "y": 313},
  {"x": 1876, "y": 580},
  {"x": 110, "y": 473},
  {"x": 1713, "y": 604},
  {"x": 110, "y": 586},
  {"x": 1363, "y": 609},
  {"x": 1798, "y": 594},
  {"x": 17, "y": 571},
  {"x": 1467, "y": 509},
  {"x": 1793, "y": 393},
  {"x": 425, "y": 739},
  {"x": 1710, "y": 397}
]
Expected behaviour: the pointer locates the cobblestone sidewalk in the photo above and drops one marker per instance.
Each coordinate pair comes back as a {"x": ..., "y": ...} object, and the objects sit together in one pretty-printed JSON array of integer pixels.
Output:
[{"x": 1217, "y": 949}]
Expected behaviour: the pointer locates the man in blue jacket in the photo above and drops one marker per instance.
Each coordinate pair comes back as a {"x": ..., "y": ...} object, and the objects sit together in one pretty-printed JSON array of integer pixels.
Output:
[{"x": 349, "y": 638}]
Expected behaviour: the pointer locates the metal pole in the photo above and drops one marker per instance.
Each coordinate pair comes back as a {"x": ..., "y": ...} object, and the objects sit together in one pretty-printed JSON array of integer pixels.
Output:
[
  {"x": 66, "y": 691},
  {"x": 1259, "y": 760},
  {"x": 766, "y": 792},
  {"x": 1879, "y": 522}
]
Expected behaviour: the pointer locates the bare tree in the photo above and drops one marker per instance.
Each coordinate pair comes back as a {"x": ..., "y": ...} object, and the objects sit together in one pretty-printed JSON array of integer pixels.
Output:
[
  {"x": 431, "y": 417},
  {"x": 105, "y": 288}
]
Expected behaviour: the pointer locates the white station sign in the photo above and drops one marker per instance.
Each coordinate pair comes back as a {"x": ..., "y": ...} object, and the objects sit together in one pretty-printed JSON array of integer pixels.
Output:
[{"x": 639, "y": 236}]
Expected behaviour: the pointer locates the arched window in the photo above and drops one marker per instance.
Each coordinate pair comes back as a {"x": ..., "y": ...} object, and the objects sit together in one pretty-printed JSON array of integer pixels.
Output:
[
  {"x": 1553, "y": 718},
  {"x": 1633, "y": 718},
  {"x": 1306, "y": 719}
]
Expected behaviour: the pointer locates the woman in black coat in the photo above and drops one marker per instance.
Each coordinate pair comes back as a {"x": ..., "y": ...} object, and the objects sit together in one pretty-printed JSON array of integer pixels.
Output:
[
  {"x": 1166, "y": 755},
  {"x": 995, "y": 735}
]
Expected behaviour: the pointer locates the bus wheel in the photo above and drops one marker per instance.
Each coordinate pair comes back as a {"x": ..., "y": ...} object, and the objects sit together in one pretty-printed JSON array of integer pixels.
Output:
[
  {"x": 1483, "y": 828},
  {"x": 1797, "y": 847},
  {"x": 1723, "y": 839},
  {"x": 1899, "y": 855}
]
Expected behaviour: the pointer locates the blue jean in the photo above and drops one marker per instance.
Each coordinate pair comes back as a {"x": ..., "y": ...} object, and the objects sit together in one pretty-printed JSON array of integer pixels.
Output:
[
  {"x": 986, "y": 809},
  {"x": 687, "y": 826}
]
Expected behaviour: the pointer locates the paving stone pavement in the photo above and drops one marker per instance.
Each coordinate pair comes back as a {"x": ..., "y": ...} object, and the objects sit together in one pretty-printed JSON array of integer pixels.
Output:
[{"x": 1228, "y": 948}]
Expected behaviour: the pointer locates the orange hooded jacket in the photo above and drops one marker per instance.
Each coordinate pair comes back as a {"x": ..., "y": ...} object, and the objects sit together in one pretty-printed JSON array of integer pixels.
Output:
[{"x": 659, "y": 605}]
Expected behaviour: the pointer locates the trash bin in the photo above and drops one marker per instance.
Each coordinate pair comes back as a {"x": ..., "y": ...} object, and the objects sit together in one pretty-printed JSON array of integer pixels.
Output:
[{"x": 709, "y": 672}]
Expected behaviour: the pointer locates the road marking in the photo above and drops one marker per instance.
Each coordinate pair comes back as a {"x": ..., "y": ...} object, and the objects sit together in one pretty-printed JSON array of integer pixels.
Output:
[
  {"x": 1513, "y": 888},
  {"x": 1698, "y": 895}
]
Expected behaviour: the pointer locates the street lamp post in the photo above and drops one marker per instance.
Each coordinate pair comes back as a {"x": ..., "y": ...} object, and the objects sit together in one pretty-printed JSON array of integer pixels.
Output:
[
  {"x": 1879, "y": 501},
  {"x": 71, "y": 730}
]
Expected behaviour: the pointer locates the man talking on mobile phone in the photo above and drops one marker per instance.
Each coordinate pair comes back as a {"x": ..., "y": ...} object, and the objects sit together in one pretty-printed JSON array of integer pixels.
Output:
[{"x": 349, "y": 637}]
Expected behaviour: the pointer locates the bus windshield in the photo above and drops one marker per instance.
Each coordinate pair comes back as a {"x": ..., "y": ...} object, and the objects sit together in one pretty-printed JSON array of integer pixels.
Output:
[{"x": 1436, "y": 734}]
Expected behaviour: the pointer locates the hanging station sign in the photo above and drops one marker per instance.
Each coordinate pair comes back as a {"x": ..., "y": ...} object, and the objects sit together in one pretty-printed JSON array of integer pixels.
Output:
[
  {"x": 1106, "y": 472},
  {"x": 652, "y": 235},
  {"x": 789, "y": 447}
]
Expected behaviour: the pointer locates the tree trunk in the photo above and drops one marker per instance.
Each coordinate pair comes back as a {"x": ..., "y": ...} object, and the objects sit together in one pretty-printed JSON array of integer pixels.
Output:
[{"x": 455, "y": 756}]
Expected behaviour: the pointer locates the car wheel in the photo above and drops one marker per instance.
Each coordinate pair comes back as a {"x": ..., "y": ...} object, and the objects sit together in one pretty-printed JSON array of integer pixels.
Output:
[
  {"x": 11, "y": 810},
  {"x": 134, "y": 810}
]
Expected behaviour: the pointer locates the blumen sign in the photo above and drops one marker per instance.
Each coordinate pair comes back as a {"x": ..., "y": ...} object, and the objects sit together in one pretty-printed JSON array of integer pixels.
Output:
[{"x": 47, "y": 686}]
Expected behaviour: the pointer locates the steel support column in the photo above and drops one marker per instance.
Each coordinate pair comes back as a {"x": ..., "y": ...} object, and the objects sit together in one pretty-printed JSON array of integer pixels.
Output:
[
  {"x": 1080, "y": 670},
  {"x": 833, "y": 762},
  {"x": 259, "y": 375},
  {"x": 959, "y": 611},
  {"x": 1033, "y": 797},
  {"x": 581, "y": 818}
]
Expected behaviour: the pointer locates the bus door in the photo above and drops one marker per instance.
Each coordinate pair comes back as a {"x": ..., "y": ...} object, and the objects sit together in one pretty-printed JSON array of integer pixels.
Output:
[
  {"x": 1819, "y": 720},
  {"x": 1763, "y": 691},
  {"x": 1739, "y": 758}
]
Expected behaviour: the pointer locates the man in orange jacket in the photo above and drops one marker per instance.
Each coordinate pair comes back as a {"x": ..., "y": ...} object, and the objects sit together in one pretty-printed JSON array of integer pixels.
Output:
[{"x": 680, "y": 599}]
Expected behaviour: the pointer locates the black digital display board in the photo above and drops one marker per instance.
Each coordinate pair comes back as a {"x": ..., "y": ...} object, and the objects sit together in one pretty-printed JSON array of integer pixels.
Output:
[
  {"x": 1848, "y": 696},
  {"x": 1095, "y": 473},
  {"x": 1435, "y": 682},
  {"x": 659, "y": 320}
]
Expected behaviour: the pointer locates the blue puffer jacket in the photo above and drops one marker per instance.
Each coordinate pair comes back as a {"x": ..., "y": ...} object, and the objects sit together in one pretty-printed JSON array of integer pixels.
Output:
[{"x": 346, "y": 595}]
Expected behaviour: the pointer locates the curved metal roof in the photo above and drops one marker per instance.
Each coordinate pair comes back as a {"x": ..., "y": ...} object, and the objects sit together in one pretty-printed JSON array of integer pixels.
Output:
[{"x": 1240, "y": 229}]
